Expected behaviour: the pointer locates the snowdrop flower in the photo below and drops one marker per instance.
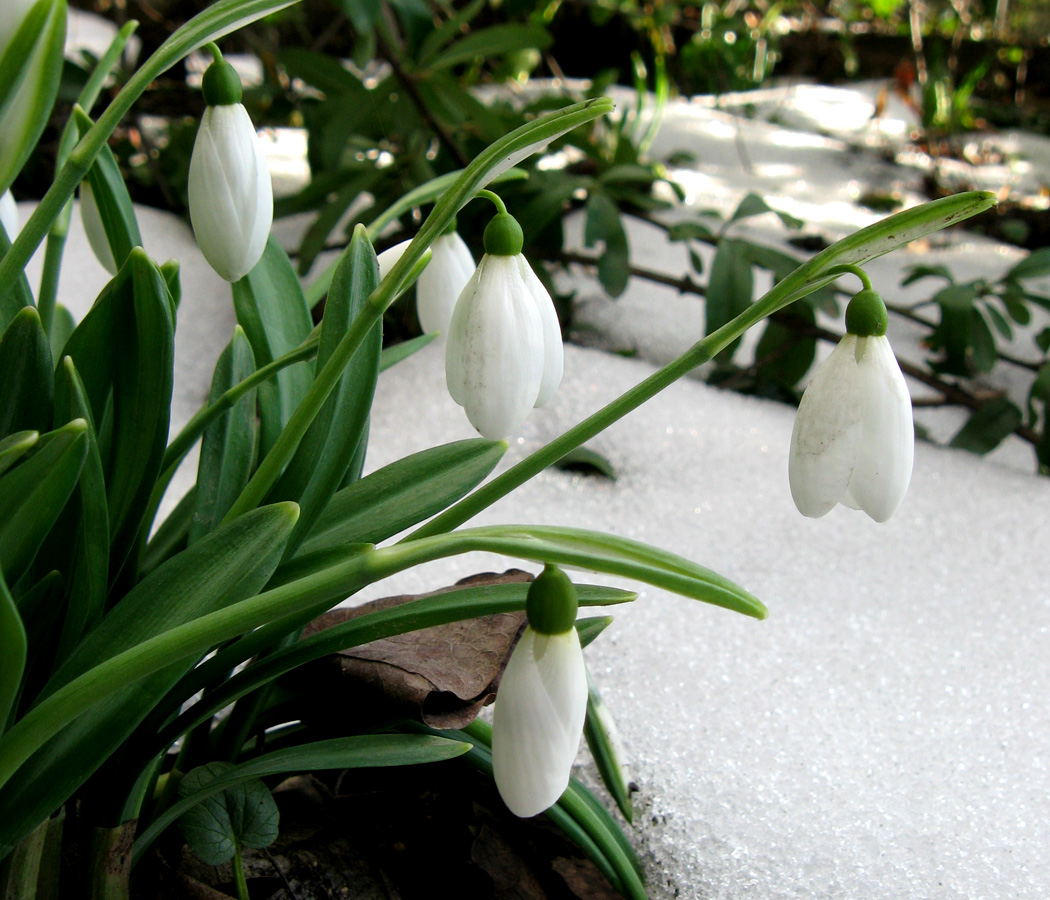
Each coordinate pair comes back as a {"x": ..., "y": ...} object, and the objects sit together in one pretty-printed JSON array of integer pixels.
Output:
[
  {"x": 853, "y": 440},
  {"x": 504, "y": 353},
  {"x": 441, "y": 282},
  {"x": 94, "y": 229},
  {"x": 231, "y": 197},
  {"x": 541, "y": 703},
  {"x": 9, "y": 215}
]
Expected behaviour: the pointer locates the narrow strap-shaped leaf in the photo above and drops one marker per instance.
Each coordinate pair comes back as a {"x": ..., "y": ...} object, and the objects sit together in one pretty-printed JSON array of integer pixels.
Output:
[
  {"x": 90, "y": 578},
  {"x": 600, "y": 734},
  {"x": 14, "y": 446},
  {"x": 111, "y": 199},
  {"x": 25, "y": 375},
  {"x": 228, "y": 445},
  {"x": 590, "y": 826},
  {"x": 13, "y": 649},
  {"x": 30, "y": 72},
  {"x": 424, "y": 612},
  {"x": 363, "y": 751},
  {"x": 272, "y": 311},
  {"x": 327, "y": 448},
  {"x": 33, "y": 494},
  {"x": 403, "y": 493},
  {"x": 225, "y": 567},
  {"x": 491, "y": 41},
  {"x": 124, "y": 348},
  {"x": 171, "y": 536},
  {"x": 16, "y": 294}
]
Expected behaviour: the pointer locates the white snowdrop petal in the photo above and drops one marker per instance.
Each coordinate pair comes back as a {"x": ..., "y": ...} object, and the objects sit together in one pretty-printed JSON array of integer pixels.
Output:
[
  {"x": 9, "y": 215},
  {"x": 492, "y": 359},
  {"x": 883, "y": 465},
  {"x": 553, "y": 349},
  {"x": 389, "y": 257},
  {"x": 827, "y": 433},
  {"x": 538, "y": 720},
  {"x": 442, "y": 282},
  {"x": 230, "y": 192},
  {"x": 94, "y": 229}
]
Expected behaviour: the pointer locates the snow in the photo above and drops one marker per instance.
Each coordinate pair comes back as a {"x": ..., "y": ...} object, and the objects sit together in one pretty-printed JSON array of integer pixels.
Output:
[{"x": 885, "y": 733}]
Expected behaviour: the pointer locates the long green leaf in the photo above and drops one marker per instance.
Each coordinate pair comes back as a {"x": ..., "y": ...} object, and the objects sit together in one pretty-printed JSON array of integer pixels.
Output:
[
  {"x": 224, "y": 568},
  {"x": 15, "y": 294},
  {"x": 14, "y": 446},
  {"x": 13, "y": 650},
  {"x": 33, "y": 495},
  {"x": 272, "y": 311},
  {"x": 495, "y": 40},
  {"x": 600, "y": 734},
  {"x": 30, "y": 72},
  {"x": 424, "y": 612},
  {"x": 124, "y": 349},
  {"x": 403, "y": 493},
  {"x": 327, "y": 448},
  {"x": 25, "y": 374},
  {"x": 90, "y": 578},
  {"x": 228, "y": 445},
  {"x": 364, "y": 751}
]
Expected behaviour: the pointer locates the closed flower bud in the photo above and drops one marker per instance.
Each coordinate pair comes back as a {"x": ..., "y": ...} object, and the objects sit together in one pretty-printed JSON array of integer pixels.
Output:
[
  {"x": 541, "y": 703},
  {"x": 230, "y": 193},
  {"x": 853, "y": 440},
  {"x": 504, "y": 354}
]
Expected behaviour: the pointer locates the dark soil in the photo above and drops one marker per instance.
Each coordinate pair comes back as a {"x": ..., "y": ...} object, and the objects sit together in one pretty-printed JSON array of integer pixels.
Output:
[{"x": 396, "y": 834}]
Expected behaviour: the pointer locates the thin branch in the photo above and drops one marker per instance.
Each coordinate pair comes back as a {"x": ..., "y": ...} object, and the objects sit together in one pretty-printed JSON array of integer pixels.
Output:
[{"x": 412, "y": 89}]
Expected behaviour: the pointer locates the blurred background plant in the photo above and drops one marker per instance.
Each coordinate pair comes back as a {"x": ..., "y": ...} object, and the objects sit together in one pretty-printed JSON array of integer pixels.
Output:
[{"x": 392, "y": 94}]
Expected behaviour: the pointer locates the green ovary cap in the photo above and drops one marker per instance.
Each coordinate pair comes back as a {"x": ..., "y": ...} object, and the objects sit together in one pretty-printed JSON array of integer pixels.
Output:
[
  {"x": 551, "y": 604},
  {"x": 503, "y": 236},
  {"x": 866, "y": 315},
  {"x": 221, "y": 84}
]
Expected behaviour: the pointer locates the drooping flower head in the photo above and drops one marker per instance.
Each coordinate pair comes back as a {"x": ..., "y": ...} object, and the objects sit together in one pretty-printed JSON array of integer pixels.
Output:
[
  {"x": 230, "y": 193},
  {"x": 541, "y": 703},
  {"x": 854, "y": 438},
  {"x": 504, "y": 354}
]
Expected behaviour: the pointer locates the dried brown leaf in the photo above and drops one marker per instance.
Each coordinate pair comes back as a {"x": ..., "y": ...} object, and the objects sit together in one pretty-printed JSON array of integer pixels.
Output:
[{"x": 442, "y": 676}]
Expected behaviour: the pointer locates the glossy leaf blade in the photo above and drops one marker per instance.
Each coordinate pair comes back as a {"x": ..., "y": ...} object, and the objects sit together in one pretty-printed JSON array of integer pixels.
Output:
[
  {"x": 33, "y": 495},
  {"x": 329, "y": 445},
  {"x": 228, "y": 444},
  {"x": 13, "y": 650},
  {"x": 90, "y": 530},
  {"x": 403, "y": 493},
  {"x": 26, "y": 98},
  {"x": 74, "y": 727},
  {"x": 25, "y": 374},
  {"x": 124, "y": 348},
  {"x": 272, "y": 311}
]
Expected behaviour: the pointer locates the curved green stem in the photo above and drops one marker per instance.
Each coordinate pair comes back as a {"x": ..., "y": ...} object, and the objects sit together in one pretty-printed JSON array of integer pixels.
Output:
[
  {"x": 848, "y": 269},
  {"x": 495, "y": 198},
  {"x": 825, "y": 267}
]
